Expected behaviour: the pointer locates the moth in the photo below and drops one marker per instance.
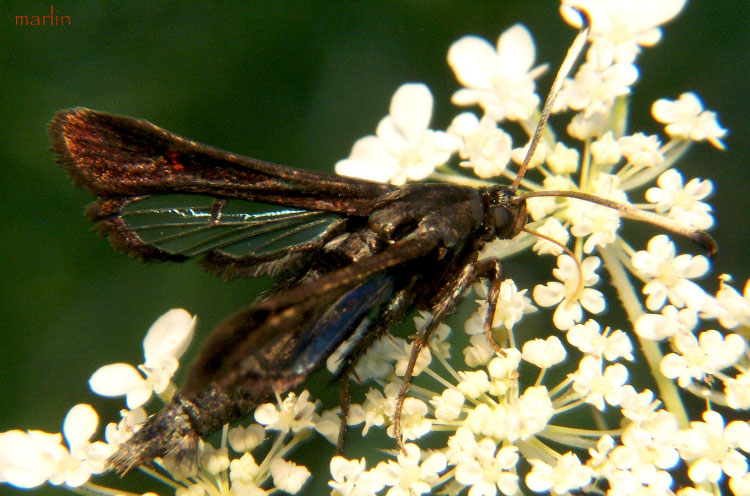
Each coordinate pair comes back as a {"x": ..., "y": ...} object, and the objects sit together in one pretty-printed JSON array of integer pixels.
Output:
[{"x": 352, "y": 257}]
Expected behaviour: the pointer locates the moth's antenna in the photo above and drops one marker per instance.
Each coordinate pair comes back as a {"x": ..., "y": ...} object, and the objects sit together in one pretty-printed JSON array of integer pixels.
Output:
[
  {"x": 694, "y": 235},
  {"x": 573, "y": 52}
]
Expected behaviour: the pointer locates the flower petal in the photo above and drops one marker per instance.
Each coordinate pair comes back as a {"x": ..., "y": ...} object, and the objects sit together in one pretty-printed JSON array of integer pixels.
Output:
[
  {"x": 411, "y": 110},
  {"x": 115, "y": 379},
  {"x": 169, "y": 335},
  {"x": 79, "y": 425},
  {"x": 515, "y": 50},
  {"x": 473, "y": 60}
]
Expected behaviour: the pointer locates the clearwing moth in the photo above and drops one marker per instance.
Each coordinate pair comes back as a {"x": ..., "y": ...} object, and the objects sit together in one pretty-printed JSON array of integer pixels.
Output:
[{"x": 352, "y": 257}]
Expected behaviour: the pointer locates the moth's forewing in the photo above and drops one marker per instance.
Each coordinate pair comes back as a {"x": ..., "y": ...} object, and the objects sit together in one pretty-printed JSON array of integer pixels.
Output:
[{"x": 163, "y": 197}]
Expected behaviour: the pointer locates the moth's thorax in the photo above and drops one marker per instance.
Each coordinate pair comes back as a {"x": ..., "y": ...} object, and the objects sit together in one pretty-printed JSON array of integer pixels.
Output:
[
  {"x": 448, "y": 212},
  {"x": 504, "y": 213}
]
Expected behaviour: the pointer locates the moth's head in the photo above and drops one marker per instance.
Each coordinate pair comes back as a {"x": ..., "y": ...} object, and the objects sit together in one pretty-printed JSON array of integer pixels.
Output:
[{"x": 505, "y": 211}]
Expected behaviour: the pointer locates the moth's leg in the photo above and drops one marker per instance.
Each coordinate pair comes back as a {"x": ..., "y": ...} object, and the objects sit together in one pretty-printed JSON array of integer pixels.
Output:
[
  {"x": 345, "y": 402},
  {"x": 455, "y": 288},
  {"x": 393, "y": 312},
  {"x": 492, "y": 269}
]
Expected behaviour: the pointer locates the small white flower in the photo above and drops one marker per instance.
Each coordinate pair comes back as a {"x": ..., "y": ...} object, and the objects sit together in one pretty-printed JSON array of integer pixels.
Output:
[
  {"x": 288, "y": 476},
  {"x": 350, "y": 478},
  {"x": 118, "y": 433},
  {"x": 648, "y": 448},
  {"x": 485, "y": 469},
  {"x": 243, "y": 470},
  {"x": 473, "y": 384},
  {"x": 608, "y": 345},
  {"x": 563, "y": 160},
  {"x": 165, "y": 342},
  {"x": 640, "y": 408},
  {"x": 374, "y": 411},
  {"x": 503, "y": 370},
  {"x": 606, "y": 150},
  {"x": 328, "y": 425},
  {"x": 541, "y": 207},
  {"x": 484, "y": 147},
  {"x": 710, "y": 448},
  {"x": 403, "y": 355},
  {"x": 461, "y": 446},
  {"x": 641, "y": 150},
  {"x": 518, "y": 155},
  {"x": 596, "y": 386},
  {"x": 512, "y": 305},
  {"x": 214, "y": 460},
  {"x": 407, "y": 476},
  {"x": 403, "y": 148},
  {"x": 566, "y": 295},
  {"x": 594, "y": 88},
  {"x": 414, "y": 421},
  {"x": 448, "y": 405},
  {"x": 85, "y": 458},
  {"x": 480, "y": 351},
  {"x": 705, "y": 355},
  {"x": 243, "y": 439},
  {"x": 378, "y": 361},
  {"x": 598, "y": 222},
  {"x": 740, "y": 486},
  {"x": 530, "y": 415},
  {"x": 525, "y": 417},
  {"x": 554, "y": 229},
  {"x": 294, "y": 414},
  {"x": 584, "y": 127},
  {"x": 686, "y": 119},
  {"x": 544, "y": 353},
  {"x": 670, "y": 274},
  {"x": 737, "y": 391},
  {"x": 501, "y": 81},
  {"x": 567, "y": 475},
  {"x": 669, "y": 323},
  {"x": 439, "y": 341},
  {"x": 618, "y": 29},
  {"x": 29, "y": 459},
  {"x": 682, "y": 203},
  {"x": 730, "y": 307}
]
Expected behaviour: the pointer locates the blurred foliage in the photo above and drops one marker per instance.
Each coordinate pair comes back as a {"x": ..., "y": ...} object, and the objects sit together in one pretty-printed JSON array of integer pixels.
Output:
[{"x": 291, "y": 82}]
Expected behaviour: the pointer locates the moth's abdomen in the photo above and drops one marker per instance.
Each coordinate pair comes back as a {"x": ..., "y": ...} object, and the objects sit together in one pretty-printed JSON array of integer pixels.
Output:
[{"x": 176, "y": 429}]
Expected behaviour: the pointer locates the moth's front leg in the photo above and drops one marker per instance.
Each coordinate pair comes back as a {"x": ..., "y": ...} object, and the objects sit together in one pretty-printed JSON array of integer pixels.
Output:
[{"x": 492, "y": 269}]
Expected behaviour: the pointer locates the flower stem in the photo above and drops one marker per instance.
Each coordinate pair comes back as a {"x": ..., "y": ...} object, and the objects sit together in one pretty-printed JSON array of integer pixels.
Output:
[{"x": 668, "y": 392}]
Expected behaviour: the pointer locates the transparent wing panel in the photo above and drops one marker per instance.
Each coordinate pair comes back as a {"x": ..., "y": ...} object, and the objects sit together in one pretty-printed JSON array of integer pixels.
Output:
[{"x": 191, "y": 225}]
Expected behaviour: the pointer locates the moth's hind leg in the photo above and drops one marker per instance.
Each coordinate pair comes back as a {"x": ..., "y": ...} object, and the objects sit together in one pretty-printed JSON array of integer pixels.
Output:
[{"x": 388, "y": 315}]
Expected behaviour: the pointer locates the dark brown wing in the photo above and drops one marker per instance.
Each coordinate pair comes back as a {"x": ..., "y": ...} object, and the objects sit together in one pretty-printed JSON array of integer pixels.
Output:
[
  {"x": 276, "y": 342},
  {"x": 164, "y": 197}
]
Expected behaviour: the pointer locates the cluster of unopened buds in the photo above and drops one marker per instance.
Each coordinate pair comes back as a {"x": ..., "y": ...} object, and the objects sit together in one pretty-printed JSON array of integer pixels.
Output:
[{"x": 562, "y": 414}]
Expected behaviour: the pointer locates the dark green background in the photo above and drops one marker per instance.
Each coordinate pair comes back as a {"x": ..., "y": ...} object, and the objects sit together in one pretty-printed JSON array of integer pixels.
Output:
[{"x": 291, "y": 82}]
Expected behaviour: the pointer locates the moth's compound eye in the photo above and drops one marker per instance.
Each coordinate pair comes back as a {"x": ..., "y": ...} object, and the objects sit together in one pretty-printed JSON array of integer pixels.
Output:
[{"x": 502, "y": 218}]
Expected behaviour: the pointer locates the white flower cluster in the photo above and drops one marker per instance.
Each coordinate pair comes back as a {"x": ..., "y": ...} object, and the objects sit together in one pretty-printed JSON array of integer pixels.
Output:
[
  {"x": 495, "y": 415},
  {"x": 32, "y": 458}
]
